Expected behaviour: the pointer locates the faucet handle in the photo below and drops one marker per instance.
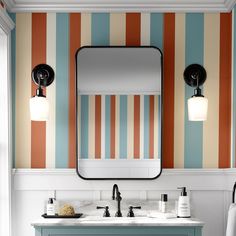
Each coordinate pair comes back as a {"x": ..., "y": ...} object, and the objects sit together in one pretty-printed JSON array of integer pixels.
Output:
[
  {"x": 106, "y": 212},
  {"x": 131, "y": 212}
]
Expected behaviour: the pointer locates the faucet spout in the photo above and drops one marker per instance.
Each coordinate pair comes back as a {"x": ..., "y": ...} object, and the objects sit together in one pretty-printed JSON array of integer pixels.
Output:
[{"x": 115, "y": 191}]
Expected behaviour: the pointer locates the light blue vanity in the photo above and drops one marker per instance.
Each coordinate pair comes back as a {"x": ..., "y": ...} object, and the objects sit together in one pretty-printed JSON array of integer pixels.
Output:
[{"x": 114, "y": 226}]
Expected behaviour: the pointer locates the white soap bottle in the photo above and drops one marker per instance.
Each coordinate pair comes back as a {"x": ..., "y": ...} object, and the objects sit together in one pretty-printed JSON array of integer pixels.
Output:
[
  {"x": 50, "y": 207},
  {"x": 183, "y": 204}
]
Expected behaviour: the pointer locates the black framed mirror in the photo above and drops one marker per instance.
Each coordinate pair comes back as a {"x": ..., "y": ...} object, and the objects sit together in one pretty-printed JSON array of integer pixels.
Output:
[{"x": 119, "y": 112}]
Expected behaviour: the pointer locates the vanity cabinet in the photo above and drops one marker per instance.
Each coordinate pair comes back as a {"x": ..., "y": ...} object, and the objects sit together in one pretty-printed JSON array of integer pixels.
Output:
[{"x": 118, "y": 231}]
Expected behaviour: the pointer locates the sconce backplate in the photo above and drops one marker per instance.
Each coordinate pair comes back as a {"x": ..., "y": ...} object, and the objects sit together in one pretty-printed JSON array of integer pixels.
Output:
[{"x": 195, "y": 75}]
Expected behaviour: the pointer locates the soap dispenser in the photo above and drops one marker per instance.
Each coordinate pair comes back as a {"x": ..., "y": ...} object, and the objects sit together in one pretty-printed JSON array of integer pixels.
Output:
[{"x": 183, "y": 204}]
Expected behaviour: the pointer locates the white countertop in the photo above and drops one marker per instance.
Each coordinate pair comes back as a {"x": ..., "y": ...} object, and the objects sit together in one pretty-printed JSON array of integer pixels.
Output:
[{"x": 114, "y": 221}]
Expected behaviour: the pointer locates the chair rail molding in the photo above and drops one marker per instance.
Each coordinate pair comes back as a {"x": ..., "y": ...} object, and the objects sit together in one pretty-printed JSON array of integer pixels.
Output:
[{"x": 120, "y": 5}]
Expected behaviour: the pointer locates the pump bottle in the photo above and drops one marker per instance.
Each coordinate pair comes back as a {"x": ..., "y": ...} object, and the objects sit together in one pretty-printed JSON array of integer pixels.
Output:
[{"x": 183, "y": 204}]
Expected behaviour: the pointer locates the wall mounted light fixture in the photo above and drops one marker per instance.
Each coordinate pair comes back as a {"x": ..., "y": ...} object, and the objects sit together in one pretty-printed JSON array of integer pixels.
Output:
[
  {"x": 195, "y": 76},
  {"x": 42, "y": 75}
]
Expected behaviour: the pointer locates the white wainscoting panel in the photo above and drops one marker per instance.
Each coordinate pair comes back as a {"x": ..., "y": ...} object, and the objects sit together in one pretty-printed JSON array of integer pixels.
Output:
[{"x": 210, "y": 192}]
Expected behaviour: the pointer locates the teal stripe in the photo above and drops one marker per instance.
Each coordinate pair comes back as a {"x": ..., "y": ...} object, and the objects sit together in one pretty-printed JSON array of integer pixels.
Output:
[
  {"x": 13, "y": 76},
  {"x": 156, "y": 30},
  {"x": 107, "y": 126},
  {"x": 100, "y": 29},
  {"x": 84, "y": 126},
  {"x": 62, "y": 94},
  {"x": 123, "y": 126},
  {"x": 159, "y": 126},
  {"x": 193, "y": 138},
  {"x": 146, "y": 126},
  {"x": 234, "y": 93}
]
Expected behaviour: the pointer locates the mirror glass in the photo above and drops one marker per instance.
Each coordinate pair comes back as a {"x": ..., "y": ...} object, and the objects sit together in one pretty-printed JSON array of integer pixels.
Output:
[{"x": 119, "y": 112}]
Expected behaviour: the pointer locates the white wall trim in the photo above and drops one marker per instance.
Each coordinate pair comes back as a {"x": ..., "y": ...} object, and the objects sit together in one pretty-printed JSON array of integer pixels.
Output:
[
  {"x": 119, "y": 5},
  {"x": 6, "y": 22}
]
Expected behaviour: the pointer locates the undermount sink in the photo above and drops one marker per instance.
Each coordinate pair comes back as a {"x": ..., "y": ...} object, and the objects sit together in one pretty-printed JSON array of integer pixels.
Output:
[{"x": 113, "y": 219}]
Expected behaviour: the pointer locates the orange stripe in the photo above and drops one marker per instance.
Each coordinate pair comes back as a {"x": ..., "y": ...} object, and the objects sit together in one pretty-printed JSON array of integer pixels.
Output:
[
  {"x": 168, "y": 93},
  {"x": 136, "y": 126},
  {"x": 113, "y": 125},
  {"x": 151, "y": 128},
  {"x": 98, "y": 104},
  {"x": 38, "y": 128},
  {"x": 225, "y": 89},
  {"x": 74, "y": 45},
  {"x": 133, "y": 29}
]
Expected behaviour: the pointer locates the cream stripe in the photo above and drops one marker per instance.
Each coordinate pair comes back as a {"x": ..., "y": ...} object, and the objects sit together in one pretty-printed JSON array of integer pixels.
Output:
[
  {"x": 141, "y": 126},
  {"x": 117, "y": 128},
  {"x": 85, "y": 29},
  {"x": 91, "y": 127},
  {"x": 156, "y": 128},
  {"x": 103, "y": 122},
  {"x": 179, "y": 91},
  {"x": 78, "y": 125},
  {"x": 23, "y": 90},
  {"x": 130, "y": 127},
  {"x": 211, "y": 90},
  {"x": 51, "y": 91},
  {"x": 145, "y": 29},
  {"x": 117, "y": 28}
]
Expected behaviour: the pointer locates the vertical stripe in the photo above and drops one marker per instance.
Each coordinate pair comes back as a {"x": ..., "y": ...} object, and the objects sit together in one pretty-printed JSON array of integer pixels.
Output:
[
  {"x": 75, "y": 29},
  {"x": 103, "y": 127},
  {"x": 156, "y": 126},
  {"x": 130, "y": 127},
  {"x": 84, "y": 126},
  {"x": 117, "y": 127},
  {"x": 100, "y": 29},
  {"x": 98, "y": 126},
  {"x": 225, "y": 90},
  {"x": 211, "y": 90},
  {"x": 79, "y": 126},
  {"x": 13, "y": 76},
  {"x": 160, "y": 126},
  {"x": 168, "y": 93},
  {"x": 113, "y": 125},
  {"x": 123, "y": 126},
  {"x": 151, "y": 127},
  {"x": 91, "y": 127},
  {"x": 85, "y": 29},
  {"x": 234, "y": 91},
  {"x": 156, "y": 28},
  {"x": 107, "y": 126},
  {"x": 136, "y": 126},
  {"x": 23, "y": 90},
  {"x": 146, "y": 126},
  {"x": 38, "y": 128},
  {"x": 117, "y": 28},
  {"x": 145, "y": 29},
  {"x": 62, "y": 95},
  {"x": 193, "y": 54},
  {"x": 51, "y": 91},
  {"x": 141, "y": 126},
  {"x": 179, "y": 91},
  {"x": 133, "y": 29}
]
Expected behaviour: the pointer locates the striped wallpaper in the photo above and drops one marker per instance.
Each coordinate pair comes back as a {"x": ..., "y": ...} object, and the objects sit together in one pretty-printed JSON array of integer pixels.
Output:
[
  {"x": 119, "y": 126},
  {"x": 208, "y": 39}
]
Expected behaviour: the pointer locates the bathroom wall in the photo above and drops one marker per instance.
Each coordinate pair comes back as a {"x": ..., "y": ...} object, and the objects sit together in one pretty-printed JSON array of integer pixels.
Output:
[{"x": 53, "y": 38}]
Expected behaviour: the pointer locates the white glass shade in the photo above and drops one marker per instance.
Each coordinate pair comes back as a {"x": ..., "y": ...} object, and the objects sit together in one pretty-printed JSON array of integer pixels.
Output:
[
  {"x": 39, "y": 108},
  {"x": 197, "y": 108}
]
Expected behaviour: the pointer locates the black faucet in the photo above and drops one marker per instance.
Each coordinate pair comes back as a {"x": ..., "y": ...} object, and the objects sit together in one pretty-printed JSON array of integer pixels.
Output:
[{"x": 118, "y": 199}]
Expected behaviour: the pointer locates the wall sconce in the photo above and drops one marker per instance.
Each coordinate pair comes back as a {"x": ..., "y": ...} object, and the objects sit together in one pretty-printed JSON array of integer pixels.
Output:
[
  {"x": 43, "y": 76},
  {"x": 195, "y": 76}
]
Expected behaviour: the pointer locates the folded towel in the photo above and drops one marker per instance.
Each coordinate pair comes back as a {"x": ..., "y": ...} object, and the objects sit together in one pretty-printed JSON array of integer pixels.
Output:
[{"x": 231, "y": 223}]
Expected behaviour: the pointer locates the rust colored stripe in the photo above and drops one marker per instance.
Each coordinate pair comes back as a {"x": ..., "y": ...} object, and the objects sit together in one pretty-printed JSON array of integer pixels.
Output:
[
  {"x": 75, "y": 31},
  {"x": 136, "y": 126},
  {"x": 113, "y": 126},
  {"x": 168, "y": 93},
  {"x": 38, "y": 128},
  {"x": 151, "y": 128},
  {"x": 133, "y": 29},
  {"x": 225, "y": 89},
  {"x": 98, "y": 104}
]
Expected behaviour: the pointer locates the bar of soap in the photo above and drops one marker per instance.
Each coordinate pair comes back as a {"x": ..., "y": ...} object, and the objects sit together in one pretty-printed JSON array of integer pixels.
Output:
[{"x": 67, "y": 210}]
